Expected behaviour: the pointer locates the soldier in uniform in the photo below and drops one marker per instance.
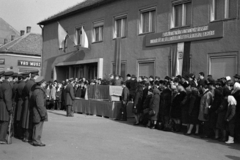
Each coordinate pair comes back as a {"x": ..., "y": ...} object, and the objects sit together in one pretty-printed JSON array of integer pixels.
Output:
[
  {"x": 69, "y": 93},
  {"x": 38, "y": 99},
  {"x": 6, "y": 108},
  {"x": 26, "y": 110},
  {"x": 18, "y": 111}
]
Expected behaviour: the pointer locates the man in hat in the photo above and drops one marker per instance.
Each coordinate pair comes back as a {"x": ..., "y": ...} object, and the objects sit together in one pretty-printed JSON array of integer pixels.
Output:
[
  {"x": 151, "y": 80},
  {"x": 236, "y": 78},
  {"x": 124, "y": 99},
  {"x": 26, "y": 119},
  {"x": 6, "y": 108},
  {"x": 69, "y": 98},
  {"x": 133, "y": 87},
  {"x": 38, "y": 99}
]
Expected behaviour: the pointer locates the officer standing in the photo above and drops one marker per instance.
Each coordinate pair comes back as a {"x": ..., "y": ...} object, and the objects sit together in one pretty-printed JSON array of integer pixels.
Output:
[
  {"x": 26, "y": 113},
  {"x": 18, "y": 111},
  {"x": 69, "y": 98},
  {"x": 6, "y": 108},
  {"x": 38, "y": 100}
]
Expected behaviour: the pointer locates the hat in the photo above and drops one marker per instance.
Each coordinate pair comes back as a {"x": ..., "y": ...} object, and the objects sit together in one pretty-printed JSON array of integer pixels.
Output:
[
  {"x": 128, "y": 75},
  {"x": 2, "y": 73},
  {"x": 34, "y": 72},
  {"x": 157, "y": 77},
  {"x": 70, "y": 79},
  {"x": 211, "y": 81},
  {"x": 237, "y": 76},
  {"x": 40, "y": 79},
  {"x": 186, "y": 84},
  {"x": 228, "y": 78},
  {"x": 15, "y": 74},
  {"x": 133, "y": 76},
  {"x": 8, "y": 73},
  {"x": 191, "y": 75},
  {"x": 151, "y": 77}
]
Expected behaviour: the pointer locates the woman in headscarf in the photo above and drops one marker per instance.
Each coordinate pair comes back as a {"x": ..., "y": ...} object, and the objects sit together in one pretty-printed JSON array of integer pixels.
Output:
[{"x": 230, "y": 118}]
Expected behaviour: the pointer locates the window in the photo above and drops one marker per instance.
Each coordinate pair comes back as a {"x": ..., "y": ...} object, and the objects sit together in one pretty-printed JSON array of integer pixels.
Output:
[
  {"x": 146, "y": 68},
  {"x": 120, "y": 27},
  {"x": 181, "y": 15},
  {"x": 147, "y": 21},
  {"x": 97, "y": 32},
  {"x": 78, "y": 36},
  {"x": 223, "y": 9}
]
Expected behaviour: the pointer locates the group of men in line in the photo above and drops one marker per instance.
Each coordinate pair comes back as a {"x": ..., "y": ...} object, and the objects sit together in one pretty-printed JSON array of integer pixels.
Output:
[
  {"x": 209, "y": 107},
  {"x": 22, "y": 106}
]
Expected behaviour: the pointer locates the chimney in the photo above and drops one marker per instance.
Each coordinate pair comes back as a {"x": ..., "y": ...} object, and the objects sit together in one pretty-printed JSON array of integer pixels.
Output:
[
  {"x": 12, "y": 37},
  {"x": 22, "y": 32},
  {"x": 5, "y": 41},
  {"x": 28, "y": 29}
]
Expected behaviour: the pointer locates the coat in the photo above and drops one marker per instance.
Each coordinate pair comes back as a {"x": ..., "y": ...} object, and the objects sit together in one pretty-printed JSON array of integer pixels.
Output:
[
  {"x": 5, "y": 101},
  {"x": 38, "y": 100},
  {"x": 194, "y": 104},
  {"x": 154, "y": 103},
  {"x": 26, "y": 111},
  {"x": 138, "y": 100},
  {"x": 176, "y": 109},
  {"x": 205, "y": 103},
  {"x": 20, "y": 99},
  {"x": 69, "y": 95}
]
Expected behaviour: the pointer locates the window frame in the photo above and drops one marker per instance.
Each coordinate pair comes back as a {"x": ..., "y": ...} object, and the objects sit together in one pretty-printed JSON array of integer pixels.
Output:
[
  {"x": 97, "y": 25},
  {"x": 123, "y": 26},
  {"x": 152, "y": 21},
  {"x": 226, "y": 11},
  {"x": 78, "y": 29},
  {"x": 184, "y": 13}
]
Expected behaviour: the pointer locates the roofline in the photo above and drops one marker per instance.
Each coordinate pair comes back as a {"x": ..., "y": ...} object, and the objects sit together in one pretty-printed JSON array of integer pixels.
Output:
[
  {"x": 57, "y": 17},
  {"x": 11, "y": 27},
  {"x": 19, "y": 53}
]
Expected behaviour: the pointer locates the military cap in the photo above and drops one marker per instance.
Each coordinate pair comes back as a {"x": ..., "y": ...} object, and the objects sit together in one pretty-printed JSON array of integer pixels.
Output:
[
  {"x": 2, "y": 73},
  {"x": 15, "y": 74},
  {"x": 8, "y": 73},
  {"x": 40, "y": 79},
  {"x": 34, "y": 72},
  {"x": 237, "y": 76}
]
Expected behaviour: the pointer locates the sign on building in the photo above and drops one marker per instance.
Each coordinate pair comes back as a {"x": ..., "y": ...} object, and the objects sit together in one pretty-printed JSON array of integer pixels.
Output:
[{"x": 29, "y": 63}]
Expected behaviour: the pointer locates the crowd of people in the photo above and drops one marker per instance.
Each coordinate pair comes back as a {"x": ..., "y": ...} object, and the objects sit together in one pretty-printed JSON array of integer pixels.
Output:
[{"x": 208, "y": 107}]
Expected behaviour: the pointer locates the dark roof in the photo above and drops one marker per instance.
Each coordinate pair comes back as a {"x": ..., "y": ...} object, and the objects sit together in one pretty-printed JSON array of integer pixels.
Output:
[
  {"x": 28, "y": 44},
  {"x": 6, "y": 30},
  {"x": 83, "y": 6}
]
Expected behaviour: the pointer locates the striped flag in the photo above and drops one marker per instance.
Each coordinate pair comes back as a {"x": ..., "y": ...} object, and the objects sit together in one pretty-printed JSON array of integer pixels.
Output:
[
  {"x": 84, "y": 39},
  {"x": 62, "y": 36}
]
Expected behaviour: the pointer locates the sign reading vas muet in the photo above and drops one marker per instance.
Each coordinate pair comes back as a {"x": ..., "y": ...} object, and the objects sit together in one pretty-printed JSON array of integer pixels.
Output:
[{"x": 29, "y": 63}]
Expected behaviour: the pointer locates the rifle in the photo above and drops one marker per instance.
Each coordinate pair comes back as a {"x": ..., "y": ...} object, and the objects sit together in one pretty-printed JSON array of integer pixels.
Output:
[{"x": 10, "y": 130}]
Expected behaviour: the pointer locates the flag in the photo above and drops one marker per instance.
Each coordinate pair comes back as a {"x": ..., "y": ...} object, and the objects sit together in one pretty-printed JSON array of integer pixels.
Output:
[
  {"x": 84, "y": 39},
  {"x": 62, "y": 36},
  {"x": 75, "y": 38}
]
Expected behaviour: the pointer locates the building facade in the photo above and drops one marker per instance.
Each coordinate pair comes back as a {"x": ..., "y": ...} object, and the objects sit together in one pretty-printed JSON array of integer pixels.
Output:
[
  {"x": 157, "y": 37},
  {"x": 22, "y": 54}
]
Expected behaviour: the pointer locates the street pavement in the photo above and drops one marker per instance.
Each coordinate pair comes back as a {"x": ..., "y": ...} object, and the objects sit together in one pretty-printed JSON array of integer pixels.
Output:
[{"x": 85, "y": 137}]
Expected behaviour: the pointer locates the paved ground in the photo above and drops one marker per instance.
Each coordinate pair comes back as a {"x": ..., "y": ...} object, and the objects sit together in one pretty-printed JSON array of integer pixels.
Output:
[{"x": 96, "y": 138}]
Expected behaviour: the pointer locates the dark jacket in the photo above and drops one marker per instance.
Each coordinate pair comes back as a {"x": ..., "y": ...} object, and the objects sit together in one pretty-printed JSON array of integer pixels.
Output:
[
  {"x": 125, "y": 95},
  {"x": 165, "y": 102},
  {"x": 5, "y": 101},
  {"x": 69, "y": 95},
  {"x": 38, "y": 100},
  {"x": 20, "y": 99}
]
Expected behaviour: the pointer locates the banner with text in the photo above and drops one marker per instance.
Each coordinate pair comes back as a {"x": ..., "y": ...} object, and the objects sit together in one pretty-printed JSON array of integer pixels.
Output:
[
  {"x": 213, "y": 30},
  {"x": 29, "y": 63}
]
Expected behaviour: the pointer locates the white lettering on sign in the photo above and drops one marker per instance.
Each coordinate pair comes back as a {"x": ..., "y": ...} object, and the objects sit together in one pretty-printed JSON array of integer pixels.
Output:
[{"x": 29, "y": 63}]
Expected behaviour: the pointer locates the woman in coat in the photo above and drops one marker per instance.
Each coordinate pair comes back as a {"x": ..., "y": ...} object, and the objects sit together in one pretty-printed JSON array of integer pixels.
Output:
[
  {"x": 230, "y": 118},
  {"x": 236, "y": 94},
  {"x": 38, "y": 100}
]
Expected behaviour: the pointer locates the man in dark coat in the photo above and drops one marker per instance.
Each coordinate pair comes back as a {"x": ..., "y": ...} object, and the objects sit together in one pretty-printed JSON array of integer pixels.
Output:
[
  {"x": 133, "y": 88},
  {"x": 124, "y": 100},
  {"x": 26, "y": 113},
  {"x": 6, "y": 108},
  {"x": 18, "y": 111},
  {"x": 38, "y": 99},
  {"x": 128, "y": 81},
  {"x": 69, "y": 98}
]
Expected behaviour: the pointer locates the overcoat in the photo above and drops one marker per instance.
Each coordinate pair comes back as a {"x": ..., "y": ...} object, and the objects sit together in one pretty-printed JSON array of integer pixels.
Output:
[
  {"x": 205, "y": 103},
  {"x": 38, "y": 100},
  {"x": 176, "y": 109},
  {"x": 20, "y": 99},
  {"x": 165, "y": 102},
  {"x": 69, "y": 95},
  {"x": 154, "y": 103},
  {"x": 5, "y": 101},
  {"x": 26, "y": 111}
]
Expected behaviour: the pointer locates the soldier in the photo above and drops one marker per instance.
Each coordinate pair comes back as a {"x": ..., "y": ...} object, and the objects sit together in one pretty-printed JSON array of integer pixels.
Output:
[
  {"x": 38, "y": 99},
  {"x": 20, "y": 99},
  {"x": 69, "y": 98},
  {"x": 26, "y": 113},
  {"x": 6, "y": 108}
]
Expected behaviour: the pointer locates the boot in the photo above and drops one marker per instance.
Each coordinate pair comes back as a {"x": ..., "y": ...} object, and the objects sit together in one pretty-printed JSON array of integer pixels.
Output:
[
  {"x": 230, "y": 140},
  {"x": 223, "y": 136}
]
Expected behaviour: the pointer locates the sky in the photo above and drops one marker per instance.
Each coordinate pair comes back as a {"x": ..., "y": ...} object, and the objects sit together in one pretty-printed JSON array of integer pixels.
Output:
[{"x": 22, "y": 13}]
